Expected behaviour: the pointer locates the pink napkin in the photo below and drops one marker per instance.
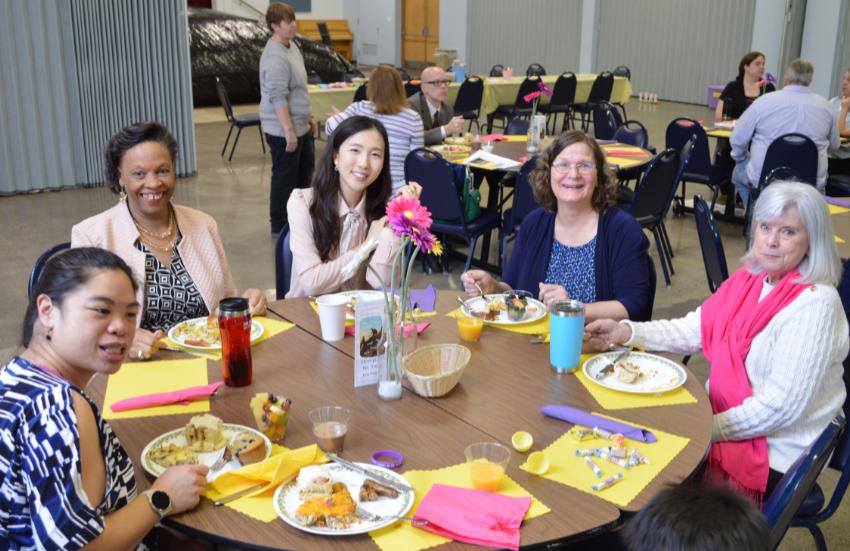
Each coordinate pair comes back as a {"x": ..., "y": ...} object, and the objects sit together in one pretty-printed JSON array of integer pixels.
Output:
[
  {"x": 493, "y": 138},
  {"x": 420, "y": 327},
  {"x": 472, "y": 516},
  {"x": 182, "y": 396},
  {"x": 624, "y": 153}
]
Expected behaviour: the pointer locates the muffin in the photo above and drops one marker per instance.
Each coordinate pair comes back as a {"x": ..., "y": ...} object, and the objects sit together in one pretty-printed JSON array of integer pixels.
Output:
[{"x": 204, "y": 433}]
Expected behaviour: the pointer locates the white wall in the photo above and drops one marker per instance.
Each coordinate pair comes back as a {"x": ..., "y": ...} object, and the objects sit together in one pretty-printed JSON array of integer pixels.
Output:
[
  {"x": 453, "y": 26},
  {"x": 321, "y": 9},
  {"x": 377, "y": 30},
  {"x": 821, "y": 43},
  {"x": 589, "y": 34},
  {"x": 768, "y": 26}
]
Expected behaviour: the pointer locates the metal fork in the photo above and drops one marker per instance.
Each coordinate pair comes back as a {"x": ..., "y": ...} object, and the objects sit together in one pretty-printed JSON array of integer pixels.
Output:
[
  {"x": 371, "y": 517},
  {"x": 225, "y": 457}
]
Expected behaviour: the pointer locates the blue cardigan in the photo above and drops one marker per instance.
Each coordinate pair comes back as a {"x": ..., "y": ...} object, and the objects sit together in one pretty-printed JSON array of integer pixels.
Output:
[{"x": 624, "y": 270}]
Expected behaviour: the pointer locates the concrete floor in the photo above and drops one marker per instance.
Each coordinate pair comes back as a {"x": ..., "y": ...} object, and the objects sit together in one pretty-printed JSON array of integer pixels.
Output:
[{"x": 236, "y": 195}]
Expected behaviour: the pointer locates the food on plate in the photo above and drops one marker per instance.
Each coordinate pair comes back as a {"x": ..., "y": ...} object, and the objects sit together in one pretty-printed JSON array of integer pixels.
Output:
[
  {"x": 493, "y": 308},
  {"x": 516, "y": 305},
  {"x": 337, "y": 510},
  {"x": 172, "y": 454},
  {"x": 373, "y": 491},
  {"x": 204, "y": 433},
  {"x": 271, "y": 413},
  {"x": 199, "y": 332},
  {"x": 247, "y": 447},
  {"x": 628, "y": 373},
  {"x": 314, "y": 481}
]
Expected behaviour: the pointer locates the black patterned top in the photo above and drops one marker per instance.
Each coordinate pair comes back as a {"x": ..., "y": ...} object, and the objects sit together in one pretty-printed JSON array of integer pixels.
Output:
[{"x": 170, "y": 293}]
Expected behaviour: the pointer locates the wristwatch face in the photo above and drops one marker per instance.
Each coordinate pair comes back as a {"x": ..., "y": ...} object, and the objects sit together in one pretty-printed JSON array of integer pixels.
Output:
[{"x": 160, "y": 500}]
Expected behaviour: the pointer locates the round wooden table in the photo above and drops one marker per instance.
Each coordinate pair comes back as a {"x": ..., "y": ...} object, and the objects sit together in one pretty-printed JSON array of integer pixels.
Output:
[{"x": 506, "y": 382}]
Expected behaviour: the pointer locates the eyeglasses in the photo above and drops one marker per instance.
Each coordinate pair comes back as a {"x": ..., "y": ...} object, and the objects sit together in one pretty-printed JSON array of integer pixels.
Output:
[
  {"x": 584, "y": 167},
  {"x": 436, "y": 82}
]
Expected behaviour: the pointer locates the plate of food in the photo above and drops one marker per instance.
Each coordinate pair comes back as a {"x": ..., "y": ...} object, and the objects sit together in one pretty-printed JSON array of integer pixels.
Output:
[
  {"x": 637, "y": 373},
  {"x": 202, "y": 334},
  {"x": 208, "y": 441},
  {"x": 333, "y": 500},
  {"x": 452, "y": 149},
  {"x": 511, "y": 308},
  {"x": 458, "y": 140},
  {"x": 354, "y": 296}
]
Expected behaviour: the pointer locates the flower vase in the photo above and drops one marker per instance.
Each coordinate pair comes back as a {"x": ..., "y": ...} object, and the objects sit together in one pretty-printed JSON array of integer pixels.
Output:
[
  {"x": 536, "y": 131},
  {"x": 399, "y": 340}
]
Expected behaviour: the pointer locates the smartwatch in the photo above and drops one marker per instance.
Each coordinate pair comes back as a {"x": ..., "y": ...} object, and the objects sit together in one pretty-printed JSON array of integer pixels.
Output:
[{"x": 159, "y": 501}]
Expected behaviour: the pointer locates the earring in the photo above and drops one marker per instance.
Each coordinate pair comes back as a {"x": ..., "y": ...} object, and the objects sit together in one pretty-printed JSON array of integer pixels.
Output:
[
  {"x": 122, "y": 196},
  {"x": 49, "y": 335},
  {"x": 336, "y": 167}
]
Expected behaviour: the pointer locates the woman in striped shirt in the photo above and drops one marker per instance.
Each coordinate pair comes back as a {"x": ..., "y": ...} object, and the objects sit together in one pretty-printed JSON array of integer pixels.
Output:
[
  {"x": 388, "y": 104},
  {"x": 65, "y": 480}
]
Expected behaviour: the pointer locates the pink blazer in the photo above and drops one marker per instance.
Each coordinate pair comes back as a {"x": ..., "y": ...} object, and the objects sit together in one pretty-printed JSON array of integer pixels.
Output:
[{"x": 200, "y": 249}]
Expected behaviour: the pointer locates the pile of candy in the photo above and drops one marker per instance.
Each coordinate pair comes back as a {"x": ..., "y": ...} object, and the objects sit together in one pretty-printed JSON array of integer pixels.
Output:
[{"x": 616, "y": 453}]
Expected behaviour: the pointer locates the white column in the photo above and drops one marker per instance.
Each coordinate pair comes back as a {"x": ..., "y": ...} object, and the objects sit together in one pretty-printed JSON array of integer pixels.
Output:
[
  {"x": 589, "y": 36},
  {"x": 768, "y": 26},
  {"x": 821, "y": 45}
]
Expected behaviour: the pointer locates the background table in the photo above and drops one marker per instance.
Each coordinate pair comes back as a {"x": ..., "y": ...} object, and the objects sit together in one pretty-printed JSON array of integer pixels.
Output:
[{"x": 502, "y": 91}]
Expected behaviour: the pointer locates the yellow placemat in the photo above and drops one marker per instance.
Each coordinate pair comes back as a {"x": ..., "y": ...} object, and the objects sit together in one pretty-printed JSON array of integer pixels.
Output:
[
  {"x": 568, "y": 469},
  {"x": 350, "y": 322},
  {"x": 836, "y": 209},
  {"x": 139, "y": 378},
  {"x": 403, "y": 536},
  {"x": 513, "y": 138},
  {"x": 281, "y": 466},
  {"x": 611, "y": 399},
  {"x": 271, "y": 327},
  {"x": 539, "y": 327}
]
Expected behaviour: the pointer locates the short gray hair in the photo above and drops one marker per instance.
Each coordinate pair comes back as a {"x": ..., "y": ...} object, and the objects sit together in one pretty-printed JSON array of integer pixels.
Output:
[
  {"x": 799, "y": 72},
  {"x": 821, "y": 263}
]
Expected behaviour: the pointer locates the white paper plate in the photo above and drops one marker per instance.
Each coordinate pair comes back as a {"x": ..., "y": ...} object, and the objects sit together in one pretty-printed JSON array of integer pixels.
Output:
[
  {"x": 287, "y": 501},
  {"x": 659, "y": 373},
  {"x": 535, "y": 310},
  {"x": 207, "y": 458},
  {"x": 174, "y": 333}
]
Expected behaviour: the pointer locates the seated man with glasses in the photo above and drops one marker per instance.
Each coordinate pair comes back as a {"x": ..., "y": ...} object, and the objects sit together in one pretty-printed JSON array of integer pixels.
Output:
[
  {"x": 578, "y": 245},
  {"x": 437, "y": 115}
]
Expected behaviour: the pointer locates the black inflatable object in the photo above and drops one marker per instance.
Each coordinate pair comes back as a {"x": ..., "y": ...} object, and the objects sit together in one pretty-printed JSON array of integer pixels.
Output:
[{"x": 230, "y": 47}]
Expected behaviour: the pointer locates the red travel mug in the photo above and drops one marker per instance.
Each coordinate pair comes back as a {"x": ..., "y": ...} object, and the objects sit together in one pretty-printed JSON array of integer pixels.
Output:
[{"x": 234, "y": 322}]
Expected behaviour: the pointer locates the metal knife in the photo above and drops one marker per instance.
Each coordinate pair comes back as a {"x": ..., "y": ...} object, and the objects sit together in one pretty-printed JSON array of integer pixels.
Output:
[
  {"x": 387, "y": 481},
  {"x": 610, "y": 367},
  {"x": 237, "y": 495}
]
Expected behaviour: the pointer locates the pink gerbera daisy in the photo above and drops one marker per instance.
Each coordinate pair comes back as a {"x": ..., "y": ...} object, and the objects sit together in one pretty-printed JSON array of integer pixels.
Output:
[{"x": 407, "y": 217}]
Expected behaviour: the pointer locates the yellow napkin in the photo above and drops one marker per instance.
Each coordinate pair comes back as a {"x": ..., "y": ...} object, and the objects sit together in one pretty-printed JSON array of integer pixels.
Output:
[
  {"x": 350, "y": 322},
  {"x": 512, "y": 138},
  {"x": 140, "y": 378},
  {"x": 839, "y": 240},
  {"x": 401, "y": 535},
  {"x": 539, "y": 327},
  {"x": 612, "y": 399},
  {"x": 568, "y": 469},
  {"x": 836, "y": 209},
  {"x": 275, "y": 470},
  {"x": 271, "y": 327}
]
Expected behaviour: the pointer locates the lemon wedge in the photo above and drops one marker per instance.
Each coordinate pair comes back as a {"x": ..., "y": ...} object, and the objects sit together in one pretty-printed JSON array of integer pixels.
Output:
[
  {"x": 522, "y": 441},
  {"x": 537, "y": 463}
]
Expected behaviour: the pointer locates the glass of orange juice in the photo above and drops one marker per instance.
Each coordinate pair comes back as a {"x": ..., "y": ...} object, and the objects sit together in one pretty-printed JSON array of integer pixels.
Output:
[
  {"x": 470, "y": 328},
  {"x": 487, "y": 462}
]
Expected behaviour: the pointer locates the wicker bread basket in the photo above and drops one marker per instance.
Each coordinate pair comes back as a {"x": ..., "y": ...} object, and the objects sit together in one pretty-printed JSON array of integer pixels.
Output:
[{"x": 435, "y": 369}]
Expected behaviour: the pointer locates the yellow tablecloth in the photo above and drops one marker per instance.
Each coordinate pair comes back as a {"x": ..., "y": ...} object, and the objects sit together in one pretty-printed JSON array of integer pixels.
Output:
[
  {"x": 568, "y": 469},
  {"x": 140, "y": 378},
  {"x": 501, "y": 91},
  {"x": 402, "y": 536}
]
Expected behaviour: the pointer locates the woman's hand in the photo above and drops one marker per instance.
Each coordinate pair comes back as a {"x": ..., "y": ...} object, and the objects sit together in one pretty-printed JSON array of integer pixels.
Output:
[
  {"x": 412, "y": 191},
  {"x": 184, "y": 484},
  {"x": 484, "y": 280},
  {"x": 549, "y": 293},
  {"x": 145, "y": 344},
  {"x": 314, "y": 127},
  {"x": 603, "y": 334},
  {"x": 256, "y": 301}
]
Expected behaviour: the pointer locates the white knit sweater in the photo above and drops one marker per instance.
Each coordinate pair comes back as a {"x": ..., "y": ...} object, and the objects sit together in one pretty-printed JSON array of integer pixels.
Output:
[{"x": 794, "y": 366}]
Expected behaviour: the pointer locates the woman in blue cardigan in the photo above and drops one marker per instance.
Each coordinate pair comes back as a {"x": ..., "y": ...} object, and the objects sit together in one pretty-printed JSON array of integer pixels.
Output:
[{"x": 578, "y": 245}]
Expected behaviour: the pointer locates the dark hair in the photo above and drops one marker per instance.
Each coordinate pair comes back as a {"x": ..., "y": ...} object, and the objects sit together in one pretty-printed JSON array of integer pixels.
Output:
[
  {"x": 697, "y": 518},
  {"x": 130, "y": 137},
  {"x": 65, "y": 272},
  {"x": 325, "y": 205},
  {"x": 386, "y": 90},
  {"x": 748, "y": 58},
  {"x": 604, "y": 196},
  {"x": 277, "y": 12}
]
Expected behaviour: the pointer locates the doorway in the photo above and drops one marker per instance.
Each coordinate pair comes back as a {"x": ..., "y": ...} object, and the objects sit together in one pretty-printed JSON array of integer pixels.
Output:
[{"x": 420, "y": 32}]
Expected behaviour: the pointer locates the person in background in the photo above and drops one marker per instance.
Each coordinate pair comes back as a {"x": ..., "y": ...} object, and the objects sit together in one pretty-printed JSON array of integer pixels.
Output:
[
  {"x": 795, "y": 108},
  {"x": 697, "y": 518},
  {"x": 745, "y": 89},
  {"x": 175, "y": 251},
  {"x": 578, "y": 245},
  {"x": 285, "y": 113},
  {"x": 340, "y": 222},
  {"x": 437, "y": 115},
  {"x": 387, "y": 104},
  {"x": 67, "y": 482},
  {"x": 775, "y": 334},
  {"x": 839, "y": 160}
]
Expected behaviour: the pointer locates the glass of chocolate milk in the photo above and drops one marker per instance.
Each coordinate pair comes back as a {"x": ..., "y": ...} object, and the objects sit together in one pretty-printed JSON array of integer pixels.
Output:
[{"x": 330, "y": 425}]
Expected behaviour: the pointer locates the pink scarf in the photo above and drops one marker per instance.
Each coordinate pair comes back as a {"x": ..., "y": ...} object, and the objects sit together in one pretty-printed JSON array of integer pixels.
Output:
[{"x": 731, "y": 318}]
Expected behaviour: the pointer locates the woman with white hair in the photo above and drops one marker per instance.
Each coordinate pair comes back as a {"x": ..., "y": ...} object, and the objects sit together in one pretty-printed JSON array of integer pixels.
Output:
[{"x": 775, "y": 334}]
